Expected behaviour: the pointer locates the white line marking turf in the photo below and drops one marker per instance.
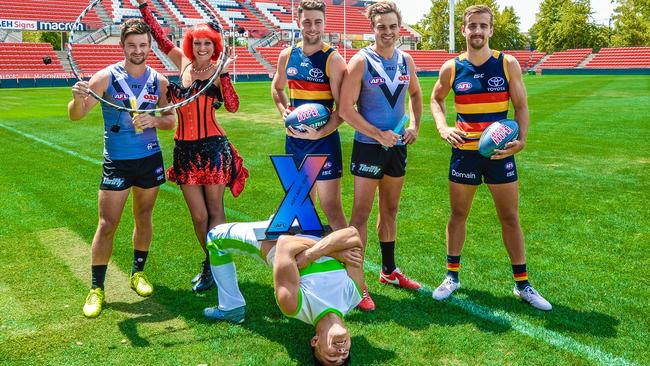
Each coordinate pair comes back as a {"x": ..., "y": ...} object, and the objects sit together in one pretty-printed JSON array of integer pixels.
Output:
[
  {"x": 496, "y": 316},
  {"x": 164, "y": 187}
]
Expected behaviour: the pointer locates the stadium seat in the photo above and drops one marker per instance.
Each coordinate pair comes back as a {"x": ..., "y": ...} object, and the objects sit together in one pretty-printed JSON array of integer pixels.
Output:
[
  {"x": 628, "y": 57},
  {"x": 565, "y": 59},
  {"x": 93, "y": 57},
  {"x": 16, "y": 61}
]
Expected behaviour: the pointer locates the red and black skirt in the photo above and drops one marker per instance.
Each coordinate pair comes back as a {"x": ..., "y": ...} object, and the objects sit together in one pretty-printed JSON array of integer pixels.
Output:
[{"x": 211, "y": 160}]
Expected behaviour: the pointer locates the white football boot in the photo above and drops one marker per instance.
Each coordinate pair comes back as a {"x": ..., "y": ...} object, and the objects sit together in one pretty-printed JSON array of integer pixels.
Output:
[
  {"x": 531, "y": 296},
  {"x": 446, "y": 288}
]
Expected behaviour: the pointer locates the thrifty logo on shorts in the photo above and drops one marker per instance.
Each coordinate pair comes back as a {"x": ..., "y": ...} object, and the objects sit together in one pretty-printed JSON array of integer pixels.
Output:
[
  {"x": 372, "y": 169},
  {"x": 115, "y": 182}
]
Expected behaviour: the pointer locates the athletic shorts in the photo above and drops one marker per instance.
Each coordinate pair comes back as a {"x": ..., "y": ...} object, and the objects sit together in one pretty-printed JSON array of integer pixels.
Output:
[
  {"x": 470, "y": 167},
  {"x": 330, "y": 145},
  {"x": 373, "y": 160},
  {"x": 118, "y": 175}
]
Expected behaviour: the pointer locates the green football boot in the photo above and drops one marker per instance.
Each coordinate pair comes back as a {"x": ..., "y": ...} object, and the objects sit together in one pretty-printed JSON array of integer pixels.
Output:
[
  {"x": 141, "y": 285},
  {"x": 94, "y": 301}
]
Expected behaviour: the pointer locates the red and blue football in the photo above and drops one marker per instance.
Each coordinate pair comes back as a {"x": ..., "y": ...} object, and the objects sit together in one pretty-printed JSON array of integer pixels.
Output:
[
  {"x": 311, "y": 114},
  {"x": 497, "y": 135}
]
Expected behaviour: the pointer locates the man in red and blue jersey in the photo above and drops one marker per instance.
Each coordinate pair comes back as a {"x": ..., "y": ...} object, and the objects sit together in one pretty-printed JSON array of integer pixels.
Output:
[
  {"x": 313, "y": 71},
  {"x": 483, "y": 81}
]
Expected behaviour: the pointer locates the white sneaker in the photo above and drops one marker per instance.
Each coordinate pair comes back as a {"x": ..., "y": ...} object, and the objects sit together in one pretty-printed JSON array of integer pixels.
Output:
[
  {"x": 531, "y": 296},
  {"x": 445, "y": 289}
]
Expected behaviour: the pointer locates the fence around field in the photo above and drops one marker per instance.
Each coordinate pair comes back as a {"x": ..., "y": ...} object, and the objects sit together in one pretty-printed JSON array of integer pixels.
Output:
[{"x": 67, "y": 79}]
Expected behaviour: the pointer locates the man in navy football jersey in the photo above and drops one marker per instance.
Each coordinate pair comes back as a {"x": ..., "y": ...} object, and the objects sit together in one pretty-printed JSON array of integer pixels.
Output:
[{"x": 484, "y": 81}]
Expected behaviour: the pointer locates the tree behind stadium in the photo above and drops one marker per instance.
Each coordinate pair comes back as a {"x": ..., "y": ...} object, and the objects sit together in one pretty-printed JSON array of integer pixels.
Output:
[
  {"x": 434, "y": 27},
  {"x": 564, "y": 24},
  {"x": 631, "y": 23}
]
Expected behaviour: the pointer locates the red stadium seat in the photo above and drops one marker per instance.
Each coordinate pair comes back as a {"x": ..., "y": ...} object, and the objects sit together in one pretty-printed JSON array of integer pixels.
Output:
[
  {"x": 14, "y": 60},
  {"x": 566, "y": 59},
  {"x": 628, "y": 57}
]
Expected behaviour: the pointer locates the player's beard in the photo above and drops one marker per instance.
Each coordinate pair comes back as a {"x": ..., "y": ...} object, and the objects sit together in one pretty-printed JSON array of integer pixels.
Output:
[
  {"x": 477, "y": 43},
  {"x": 311, "y": 40},
  {"x": 136, "y": 60}
]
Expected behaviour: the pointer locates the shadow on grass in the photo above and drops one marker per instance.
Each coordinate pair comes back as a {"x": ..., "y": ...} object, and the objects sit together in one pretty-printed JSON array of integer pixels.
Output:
[
  {"x": 418, "y": 312},
  {"x": 144, "y": 312},
  {"x": 562, "y": 318},
  {"x": 262, "y": 318}
]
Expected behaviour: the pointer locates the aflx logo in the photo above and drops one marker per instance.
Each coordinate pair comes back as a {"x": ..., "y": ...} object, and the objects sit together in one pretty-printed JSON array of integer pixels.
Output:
[{"x": 297, "y": 183}]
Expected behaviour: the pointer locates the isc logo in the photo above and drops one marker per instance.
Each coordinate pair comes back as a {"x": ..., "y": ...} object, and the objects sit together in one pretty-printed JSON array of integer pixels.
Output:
[{"x": 377, "y": 81}]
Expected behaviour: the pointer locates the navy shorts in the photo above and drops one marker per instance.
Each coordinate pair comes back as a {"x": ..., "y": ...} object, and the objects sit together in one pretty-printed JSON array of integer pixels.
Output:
[
  {"x": 470, "y": 167},
  {"x": 329, "y": 145},
  {"x": 118, "y": 175},
  {"x": 373, "y": 160}
]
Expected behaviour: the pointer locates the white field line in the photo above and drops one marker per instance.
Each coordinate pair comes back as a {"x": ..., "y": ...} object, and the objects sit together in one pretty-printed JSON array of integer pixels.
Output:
[
  {"x": 495, "y": 316},
  {"x": 515, "y": 323},
  {"x": 164, "y": 187}
]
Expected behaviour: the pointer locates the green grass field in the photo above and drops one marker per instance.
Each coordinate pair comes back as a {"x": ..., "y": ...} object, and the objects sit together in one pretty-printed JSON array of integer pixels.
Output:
[{"x": 584, "y": 210}]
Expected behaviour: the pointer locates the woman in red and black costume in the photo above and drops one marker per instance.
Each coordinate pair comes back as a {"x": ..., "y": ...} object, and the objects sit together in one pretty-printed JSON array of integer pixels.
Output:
[{"x": 205, "y": 162}]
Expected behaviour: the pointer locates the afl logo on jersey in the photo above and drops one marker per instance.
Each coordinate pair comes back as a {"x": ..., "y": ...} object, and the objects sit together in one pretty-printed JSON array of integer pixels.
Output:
[
  {"x": 120, "y": 96},
  {"x": 316, "y": 73},
  {"x": 496, "y": 82},
  {"x": 376, "y": 81},
  {"x": 292, "y": 71},
  {"x": 465, "y": 85}
]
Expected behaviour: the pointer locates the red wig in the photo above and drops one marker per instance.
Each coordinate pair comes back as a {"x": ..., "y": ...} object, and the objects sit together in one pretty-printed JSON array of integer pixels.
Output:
[{"x": 202, "y": 31}]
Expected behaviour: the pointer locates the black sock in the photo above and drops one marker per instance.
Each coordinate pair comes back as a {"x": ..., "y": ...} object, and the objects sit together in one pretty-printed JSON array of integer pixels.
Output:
[
  {"x": 453, "y": 266},
  {"x": 387, "y": 256},
  {"x": 139, "y": 258},
  {"x": 98, "y": 275},
  {"x": 206, "y": 264},
  {"x": 520, "y": 275}
]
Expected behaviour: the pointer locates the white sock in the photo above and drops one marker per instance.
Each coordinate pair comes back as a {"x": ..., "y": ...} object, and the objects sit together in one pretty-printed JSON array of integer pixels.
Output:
[{"x": 228, "y": 293}]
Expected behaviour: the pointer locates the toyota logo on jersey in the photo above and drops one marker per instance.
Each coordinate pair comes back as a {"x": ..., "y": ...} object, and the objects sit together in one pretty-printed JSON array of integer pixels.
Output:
[
  {"x": 496, "y": 82},
  {"x": 316, "y": 73}
]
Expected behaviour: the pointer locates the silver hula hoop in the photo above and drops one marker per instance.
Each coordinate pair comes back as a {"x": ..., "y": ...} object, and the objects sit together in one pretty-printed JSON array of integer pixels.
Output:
[{"x": 220, "y": 62}]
